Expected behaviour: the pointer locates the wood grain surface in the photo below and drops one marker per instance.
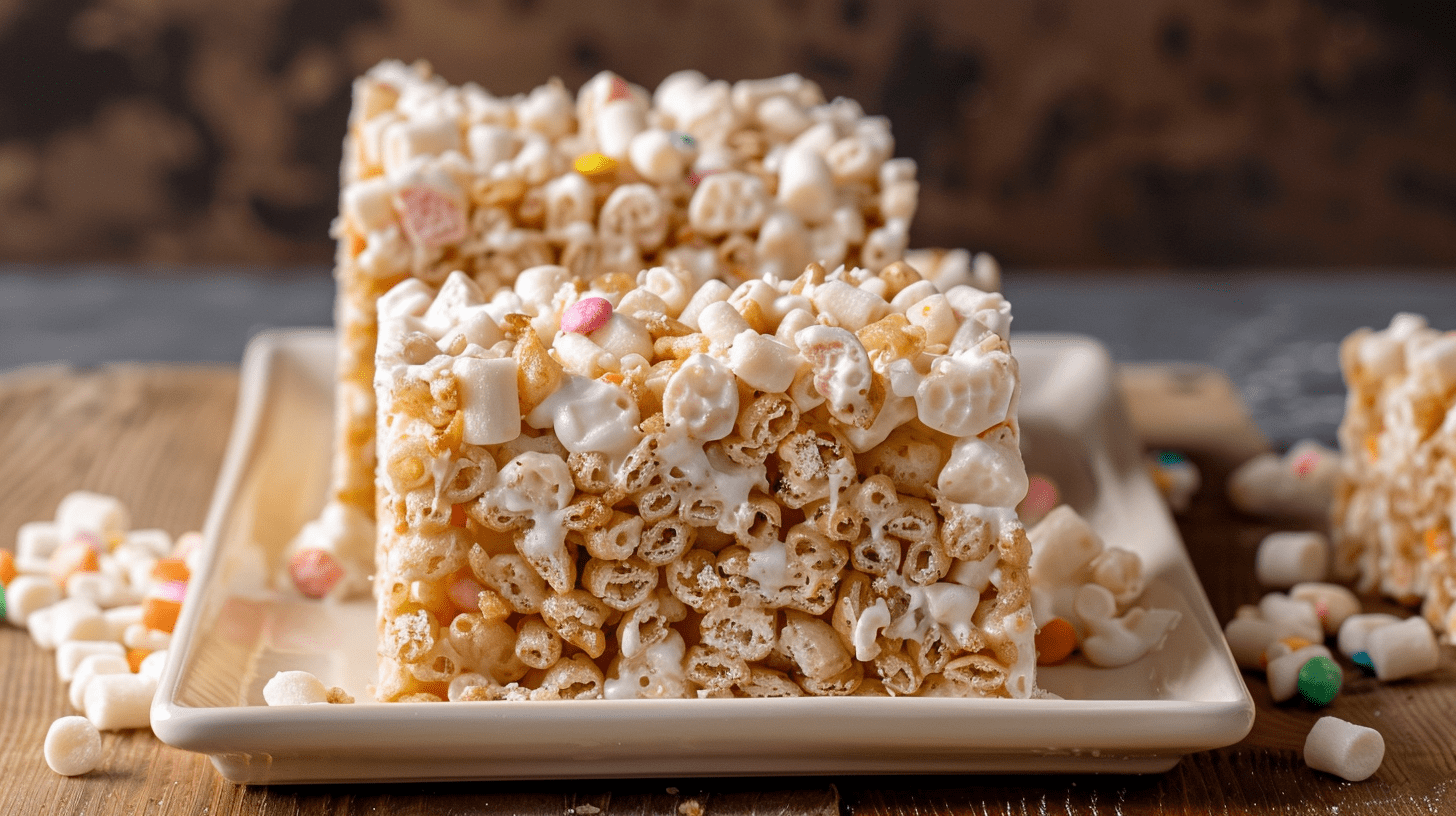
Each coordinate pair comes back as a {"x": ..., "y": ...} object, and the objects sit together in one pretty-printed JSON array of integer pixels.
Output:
[{"x": 154, "y": 436}]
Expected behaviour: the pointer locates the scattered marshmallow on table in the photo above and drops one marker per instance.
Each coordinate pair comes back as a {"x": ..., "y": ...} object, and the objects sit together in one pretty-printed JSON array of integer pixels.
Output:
[
  {"x": 1333, "y": 604},
  {"x": 1175, "y": 477},
  {"x": 114, "y": 702},
  {"x": 72, "y": 746},
  {"x": 1354, "y": 633},
  {"x": 27, "y": 594},
  {"x": 1299, "y": 484},
  {"x": 1283, "y": 671},
  {"x": 1288, "y": 558},
  {"x": 294, "y": 688},
  {"x": 1351, "y": 752},
  {"x": 1404, "y": 649},
  {"x": 89, "y": 667}
]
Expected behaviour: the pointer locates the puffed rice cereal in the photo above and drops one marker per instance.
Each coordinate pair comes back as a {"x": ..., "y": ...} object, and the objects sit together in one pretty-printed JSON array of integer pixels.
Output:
[
  {"x": 1392, "y": 520},
  {"x": 799, "y": 496}
]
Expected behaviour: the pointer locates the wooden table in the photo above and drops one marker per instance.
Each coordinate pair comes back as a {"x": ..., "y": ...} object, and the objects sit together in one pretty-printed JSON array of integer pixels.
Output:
[{"x": 154, "y": 436}]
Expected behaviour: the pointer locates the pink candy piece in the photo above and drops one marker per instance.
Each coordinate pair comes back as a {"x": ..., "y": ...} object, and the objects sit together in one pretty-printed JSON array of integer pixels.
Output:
[
  {"x": 586, "y": 315},
  {"x": 170, "y": 591},
  {"x": 695, "y": 178},
  {"x": 465, "y": 594},
  {"x": 314, "y": 572},
  {"x": 430, "y": 218},
  {"x": 1304, "y": 464},
  {"x": 620, "y": 89}
]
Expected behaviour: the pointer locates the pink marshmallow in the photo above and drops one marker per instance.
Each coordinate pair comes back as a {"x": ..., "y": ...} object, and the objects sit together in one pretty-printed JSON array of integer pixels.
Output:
[
  {"x": 430, "y": 217},
  {"x": 586, "y": 315},
  {"x": 314, "y": 572}
]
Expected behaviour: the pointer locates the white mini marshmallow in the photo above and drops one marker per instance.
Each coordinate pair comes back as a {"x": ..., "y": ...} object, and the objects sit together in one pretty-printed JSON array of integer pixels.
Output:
[
  {"x": 71, "y": 619},
  {"x": 118, "y": 618},
  {"x": 36, "y": 540},
  {"x": 82, "y": 511},
  {"x": 72, "y": 746},
  {"x": 1403, "y": 649},
  {"x": 138, "y": 636},
  {"x": 115, "y": 702},
  {"x": 1332, "y": 603},
  {"x": 617, "y": 123},
  {"x": 1283, "y": 671},
  {"x": 70, "y": 654},
  {"x": 806, "y": 187},
  {"x": 369, "y": 204},
  {"x": 1248, "y": 638},
  {"x": 489, "y": 145},
  {"x": 27, "y": 594},
  {"x": 1351, "y": 752},
  {"x": 456, "y": 294},
  {"x": 88, "y": 668},
  {"x": 1291, "y": 617},
  {"x": 721, "y": 322},
  {"x": 99, "y": 588},
  {"x": 885, "y": 245},
  {"x": 713, "y": 291},
  {"x": 1117, "y": 641},
  {"x": 623, "y": 335},
  {"x": 153, "y": 664},
  {"x": 294, "y": 688},
  {"x": 152, "y": 540},
  {"x": 1288, "y": 558},
  {"x": 1355, "y": 632},
  {"x": 851, "y": 307},
  {"x": 489, "y": 403},
  {"x": 763, "y": 362},
  {"x": 657, "y": 156}
]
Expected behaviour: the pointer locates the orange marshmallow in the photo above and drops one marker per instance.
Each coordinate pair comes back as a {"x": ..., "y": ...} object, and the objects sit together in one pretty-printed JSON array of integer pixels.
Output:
[
  {"x": 7, "y": 567},
  {"x": 79, "y": 555},
  {"x": 134, "y": 658},
  {"x": 1055, "y": 642},
  {"x": 171, "y": 569}
]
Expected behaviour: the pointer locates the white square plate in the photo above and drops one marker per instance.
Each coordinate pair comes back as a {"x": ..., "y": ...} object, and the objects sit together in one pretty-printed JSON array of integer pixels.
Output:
[{"x": 235, "y": 633}]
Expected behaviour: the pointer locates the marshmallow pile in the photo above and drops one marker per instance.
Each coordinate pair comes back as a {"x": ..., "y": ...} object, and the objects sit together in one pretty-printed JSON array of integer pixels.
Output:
[
  {"x": 106, "y": 598},
  {"x": 1083, "y": 594}
]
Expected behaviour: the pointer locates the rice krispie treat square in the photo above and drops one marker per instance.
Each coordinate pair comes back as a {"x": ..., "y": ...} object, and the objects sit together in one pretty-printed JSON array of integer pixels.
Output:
[
  {"x": 1393, "y": 512},
  {"x": 715, "y": 180},
  {"x": 649, "y": 486}
]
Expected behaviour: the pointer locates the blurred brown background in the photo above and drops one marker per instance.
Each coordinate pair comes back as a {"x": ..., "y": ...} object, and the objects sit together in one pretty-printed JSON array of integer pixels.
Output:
[{"x": 1055, "y": 133}]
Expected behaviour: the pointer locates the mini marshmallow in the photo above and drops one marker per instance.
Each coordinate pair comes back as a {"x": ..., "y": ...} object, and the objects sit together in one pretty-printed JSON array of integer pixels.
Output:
[
  {"x": 1403, "y": 649},
  {"x": 115, "y": 702},
  {"x": 488, "y": 399},
  {"x": 36, "y": 540},
  {"x": 26, "y": 594},
  {"x": 73, "y": 619},
  {"x": 153, "y": 664},
  {"x": 72, "y": 746},
  {"x": 138, "y": 636},
  {"x": 157, "y": 542},
  {"x": 89, "y": 667},
  {"x": 1291, "y": 617},
  {"x": 806, "y": 187},
  {"x": 1247, "y": 640},
  {"x": 1299, "y": 484},
  {"x": 763, "y": 362},
  {"x": 1351, "y": 752},
  {"x": 84, "y": 512},
  {"x": 70, "y": 654},
  {"x": 1332, "y": 603},
  {"x": 1283, "y": 671},
  {"x": 712, "y": 291},
  {"x": 721, "y": 322},
  {"x": 99, "y": 588},
  {"x": 294, "y": 688},
  {"x": 1355, "y": 632},
  {"x": 1288, "y": 558}
]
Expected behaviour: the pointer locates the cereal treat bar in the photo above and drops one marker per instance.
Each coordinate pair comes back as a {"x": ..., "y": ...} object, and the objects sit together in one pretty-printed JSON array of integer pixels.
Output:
[
  {"x": 726, "y": 181},
  {"x": 648, "y": 486},
  {"x": 1393, "y": 513}
]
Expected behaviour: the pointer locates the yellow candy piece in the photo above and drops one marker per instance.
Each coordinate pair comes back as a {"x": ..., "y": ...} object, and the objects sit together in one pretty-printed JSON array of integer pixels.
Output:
[{"x": 595, "y": 165}]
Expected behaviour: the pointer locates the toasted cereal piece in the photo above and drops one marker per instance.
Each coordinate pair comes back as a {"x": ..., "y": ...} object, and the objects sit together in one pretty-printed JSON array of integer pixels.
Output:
[
  {"x": 572, "y": 678},
  {"x": 765, "y": 682}
]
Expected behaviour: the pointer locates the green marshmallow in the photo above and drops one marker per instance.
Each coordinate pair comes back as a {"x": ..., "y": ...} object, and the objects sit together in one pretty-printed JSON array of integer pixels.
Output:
[{"x": 1319, "y": 680}]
